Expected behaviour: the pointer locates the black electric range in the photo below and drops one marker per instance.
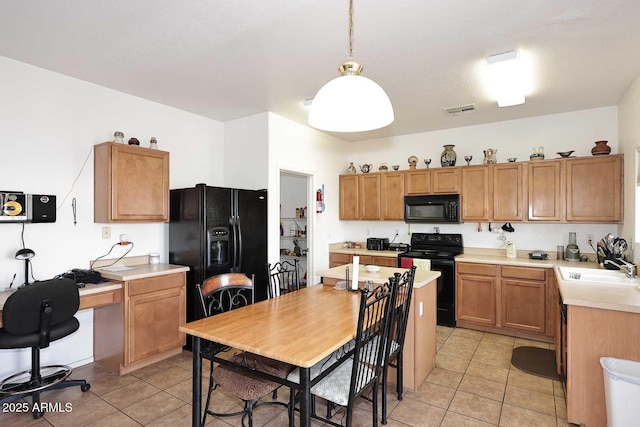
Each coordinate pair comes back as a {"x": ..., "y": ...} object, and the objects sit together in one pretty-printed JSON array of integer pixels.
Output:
[{"x": 441, "y": 249}]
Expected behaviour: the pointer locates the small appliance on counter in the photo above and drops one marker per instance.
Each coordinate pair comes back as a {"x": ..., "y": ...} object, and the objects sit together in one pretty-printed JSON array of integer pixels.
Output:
[
  {"x": 399, "y": 247},
  {"x": 541, "y": 255},
  {"x": 572, "y": 253},
  {"x": 377, "y": 244}
]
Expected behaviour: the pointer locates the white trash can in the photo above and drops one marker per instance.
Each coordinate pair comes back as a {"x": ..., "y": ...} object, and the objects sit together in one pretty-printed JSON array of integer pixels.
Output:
[{"x": 621, "y": 391}]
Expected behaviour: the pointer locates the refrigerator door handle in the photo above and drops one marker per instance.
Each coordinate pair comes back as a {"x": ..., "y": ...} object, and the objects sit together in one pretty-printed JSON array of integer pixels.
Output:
[
  {"x": 239, "y": 237},
  {"x": 234, "y": 230}
]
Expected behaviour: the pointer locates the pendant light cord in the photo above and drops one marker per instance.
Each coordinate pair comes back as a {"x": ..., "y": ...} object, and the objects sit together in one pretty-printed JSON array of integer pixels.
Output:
[{"x": 350, "y": 52}]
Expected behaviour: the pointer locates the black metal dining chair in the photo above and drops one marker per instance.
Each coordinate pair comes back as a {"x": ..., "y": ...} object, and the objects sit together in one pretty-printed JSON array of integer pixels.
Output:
[
  {"x": 395, "y": 344},
  {"x": 34, "y": 316},
  {"x": 353, "y": 377},
  {"x": 284, "y": 277},
  {"x": 223, "y": 293}
]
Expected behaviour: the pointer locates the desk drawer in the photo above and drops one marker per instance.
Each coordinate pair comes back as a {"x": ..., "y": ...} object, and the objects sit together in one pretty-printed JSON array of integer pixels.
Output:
[
  {"x": 156, "y": 283},
  {"x": 100, "y": 299}
]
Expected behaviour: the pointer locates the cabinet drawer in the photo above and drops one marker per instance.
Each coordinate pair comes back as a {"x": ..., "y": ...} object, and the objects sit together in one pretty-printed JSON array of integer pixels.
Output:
[
  {"x": 158, "y": 283},
  {"x": 480, "y": 269},
  {"x": 340, "y": 259},
  {"x": 524, "y": 273},
  {"x": 384, "y": 261}
]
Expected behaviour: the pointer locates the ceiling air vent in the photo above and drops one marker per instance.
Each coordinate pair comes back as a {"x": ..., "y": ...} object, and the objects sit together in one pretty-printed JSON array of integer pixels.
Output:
[{"x": 461, "y": 109}]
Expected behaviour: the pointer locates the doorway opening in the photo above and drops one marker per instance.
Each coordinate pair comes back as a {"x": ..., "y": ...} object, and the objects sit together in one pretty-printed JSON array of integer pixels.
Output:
[{"x": 296, "y": 225}]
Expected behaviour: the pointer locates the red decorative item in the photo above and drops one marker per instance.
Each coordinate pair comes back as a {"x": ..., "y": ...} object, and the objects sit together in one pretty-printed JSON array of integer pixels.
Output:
[{"x": 601, "y": 148}]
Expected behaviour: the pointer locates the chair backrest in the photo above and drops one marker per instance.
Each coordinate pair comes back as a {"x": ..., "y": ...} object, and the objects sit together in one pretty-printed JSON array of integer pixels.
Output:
[
  {"x": 284, "y": 277},
  {"x": 373, "y": 328},
  {"x": 225, "y": 292},
  {"x": 35, "y": 308},
  {"x": 400, "y": 310}
]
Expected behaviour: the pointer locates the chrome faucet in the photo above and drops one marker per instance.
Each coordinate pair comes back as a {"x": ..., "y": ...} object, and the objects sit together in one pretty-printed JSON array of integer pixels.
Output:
[{"x": 630, "y": 269}]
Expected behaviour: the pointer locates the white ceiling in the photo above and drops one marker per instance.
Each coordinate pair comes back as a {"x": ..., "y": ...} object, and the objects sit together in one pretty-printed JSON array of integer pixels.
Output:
[{"x": 227, "y": 59}]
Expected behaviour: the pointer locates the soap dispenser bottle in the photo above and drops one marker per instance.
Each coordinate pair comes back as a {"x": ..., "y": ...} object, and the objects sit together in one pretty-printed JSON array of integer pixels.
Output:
[{"x": 512, "y": 252}]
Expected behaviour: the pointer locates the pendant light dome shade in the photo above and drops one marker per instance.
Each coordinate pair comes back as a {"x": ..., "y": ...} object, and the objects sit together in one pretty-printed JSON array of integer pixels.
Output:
[{"x": 351, "y": 103}]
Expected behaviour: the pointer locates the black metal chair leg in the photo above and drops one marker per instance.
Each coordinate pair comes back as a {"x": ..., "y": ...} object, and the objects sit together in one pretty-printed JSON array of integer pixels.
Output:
[
  {"x": 375, "y": 404},
  {"x": 206, "y": 406},
  {"x": 399, "y": 376},
  {"x": 385, "y": 374}
]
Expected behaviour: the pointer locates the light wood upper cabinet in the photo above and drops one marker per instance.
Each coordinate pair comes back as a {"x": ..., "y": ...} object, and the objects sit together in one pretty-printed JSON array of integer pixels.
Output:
[
  {"x": 131, "y": 184},
  {"x": 418, "y": 181},
  {"x": 545, "y": 191},
  {"x": 370, "y": 196},
  {"x": 445, "y": 180},
  {"x": 508, "y": 192},
  {"x": 476, "y": 194},
  {"x": 594, "y": 189},
  {"x": 349, "y": 197},
  {"x": 392, "y": 196}
]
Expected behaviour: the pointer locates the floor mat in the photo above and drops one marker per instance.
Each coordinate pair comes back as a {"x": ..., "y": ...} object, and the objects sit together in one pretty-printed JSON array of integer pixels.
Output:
[{"x": 535, "y": 361}]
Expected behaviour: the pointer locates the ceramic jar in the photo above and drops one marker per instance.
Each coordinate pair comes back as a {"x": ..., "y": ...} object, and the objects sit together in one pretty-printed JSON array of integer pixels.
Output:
[
  {"x": 600, "y": 148},
  {"x": 351, "y": 169},
  {"x": 448, "y": 156}
]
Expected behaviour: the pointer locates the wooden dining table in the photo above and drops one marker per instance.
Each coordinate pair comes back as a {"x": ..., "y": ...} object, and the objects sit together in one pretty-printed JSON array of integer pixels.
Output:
[{"x": 299, "y": 328}]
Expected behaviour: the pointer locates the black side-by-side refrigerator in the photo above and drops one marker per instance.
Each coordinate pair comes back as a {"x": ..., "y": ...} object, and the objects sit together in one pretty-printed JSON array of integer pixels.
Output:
[{"x": 216, "y": 230}]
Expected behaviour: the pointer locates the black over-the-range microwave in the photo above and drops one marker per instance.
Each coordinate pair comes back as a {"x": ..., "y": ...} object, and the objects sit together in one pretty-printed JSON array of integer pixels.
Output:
[{"x": 436, "y": 208}]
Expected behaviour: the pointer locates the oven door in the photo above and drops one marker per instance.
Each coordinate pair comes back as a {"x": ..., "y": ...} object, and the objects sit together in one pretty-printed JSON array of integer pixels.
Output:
[{"x": 446, "y": 287}]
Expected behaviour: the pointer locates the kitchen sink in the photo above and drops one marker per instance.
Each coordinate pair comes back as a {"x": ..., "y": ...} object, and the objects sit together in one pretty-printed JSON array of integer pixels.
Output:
[{"x": 589, "y": 275}]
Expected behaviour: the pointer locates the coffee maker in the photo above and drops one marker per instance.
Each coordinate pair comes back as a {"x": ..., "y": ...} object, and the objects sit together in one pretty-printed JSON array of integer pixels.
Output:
[{"x": 572, "y": 252}]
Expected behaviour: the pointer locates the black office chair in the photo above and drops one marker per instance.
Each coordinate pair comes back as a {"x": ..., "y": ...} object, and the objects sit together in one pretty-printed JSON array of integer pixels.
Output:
[
  {"x": 33, "y": 316},
  {"x": 356, "y": 375},
  {"x": 395, "y": 345},
  {"x": 284, "y": 277},
  {"x": 219, "y": 294}
]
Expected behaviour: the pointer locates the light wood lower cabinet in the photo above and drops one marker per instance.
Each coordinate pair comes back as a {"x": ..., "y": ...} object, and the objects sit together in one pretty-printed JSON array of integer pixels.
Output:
[
  {"x": 505, "y": 299},
  {"x": 143, "y": 329},
  {"x": 337, "y": 259}
]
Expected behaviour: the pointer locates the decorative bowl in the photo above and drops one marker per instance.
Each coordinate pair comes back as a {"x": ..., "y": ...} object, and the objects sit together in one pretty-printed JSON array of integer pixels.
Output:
[
  {"x": 564, "y": 154},
  {"x": 511, "y": 159},
  {"x": 395, "y": 167},
  {"x": 372, "y": 268}
]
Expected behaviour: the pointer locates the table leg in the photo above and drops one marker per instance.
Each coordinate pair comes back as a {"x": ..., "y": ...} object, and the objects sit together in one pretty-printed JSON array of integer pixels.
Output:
[
  {"x": 305, "y": 397},
  {"x": 197, "y": 384}
]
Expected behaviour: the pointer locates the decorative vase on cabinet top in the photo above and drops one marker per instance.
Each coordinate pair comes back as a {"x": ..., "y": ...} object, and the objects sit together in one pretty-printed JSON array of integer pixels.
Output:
[
  {"x": 490, "y": 156},
  {"x": 351, "y": 169},
  {"x": 448, "y": 156},
  {"x": 600, "y": 148}
]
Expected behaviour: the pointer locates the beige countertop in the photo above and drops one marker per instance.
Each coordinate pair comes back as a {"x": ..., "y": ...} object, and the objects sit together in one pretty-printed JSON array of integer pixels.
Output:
[
  {"x": 522, "y": 262},
  {"x": 142, "y": 271},
  {"x": 364, "y": 251},
  {"x": 422, "y": 277}
]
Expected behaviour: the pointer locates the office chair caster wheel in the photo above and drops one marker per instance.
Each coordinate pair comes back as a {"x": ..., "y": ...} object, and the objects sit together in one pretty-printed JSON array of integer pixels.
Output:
[{"x": 85, "y": 387}]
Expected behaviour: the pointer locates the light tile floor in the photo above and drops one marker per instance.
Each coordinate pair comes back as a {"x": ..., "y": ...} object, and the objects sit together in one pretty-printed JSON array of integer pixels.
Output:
[{"x": 473, "y": 384}]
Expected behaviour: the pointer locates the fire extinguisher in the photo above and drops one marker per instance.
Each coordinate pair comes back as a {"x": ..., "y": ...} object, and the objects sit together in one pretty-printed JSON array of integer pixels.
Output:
[{"x": 319, "y": 201}]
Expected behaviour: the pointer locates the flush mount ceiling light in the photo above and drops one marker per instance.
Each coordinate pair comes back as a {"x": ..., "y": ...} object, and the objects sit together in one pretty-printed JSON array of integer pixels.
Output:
[
  {"x": 351, "y": 102},
  {"x": 506, "y": 78}
]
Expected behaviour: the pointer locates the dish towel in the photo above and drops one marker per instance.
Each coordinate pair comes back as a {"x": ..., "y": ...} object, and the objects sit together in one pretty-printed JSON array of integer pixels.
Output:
[{"x": 422, "y": 264}]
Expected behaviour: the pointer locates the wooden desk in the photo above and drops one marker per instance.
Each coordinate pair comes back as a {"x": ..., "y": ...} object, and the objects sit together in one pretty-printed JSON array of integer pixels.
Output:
[
  {"x": 299, "y": 328},
  {"x": 91, "y": 296}
]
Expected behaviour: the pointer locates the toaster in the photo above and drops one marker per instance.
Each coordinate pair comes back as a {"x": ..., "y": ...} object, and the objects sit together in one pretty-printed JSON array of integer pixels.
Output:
[{"x": 377, "y": 244}]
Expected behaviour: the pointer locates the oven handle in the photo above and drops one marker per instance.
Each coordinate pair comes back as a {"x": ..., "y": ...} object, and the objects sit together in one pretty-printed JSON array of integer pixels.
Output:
[{"x": 436, "y": 262}]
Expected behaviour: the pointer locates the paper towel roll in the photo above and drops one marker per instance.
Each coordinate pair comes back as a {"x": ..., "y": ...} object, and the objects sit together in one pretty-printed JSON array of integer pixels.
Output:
[{"x": 356, "y": 271}]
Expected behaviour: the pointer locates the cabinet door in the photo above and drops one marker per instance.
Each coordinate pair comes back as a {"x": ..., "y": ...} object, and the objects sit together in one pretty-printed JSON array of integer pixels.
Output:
[
  {"x": 508, "y": 192},
  {"x": 338, "y": 259},
  {"x": 349, "y": 188},
  {"x": 131, "y": 184},
  {"x": 392, "y": 197},
  {"x": 594, "y": 189},
  {"x": 446, "y": 180},
  {"x": 476, "y": 293},
  {"x": 152, "y": 323},
  {"x": 417, "y": 182},
  {"x": 523, "y": 304},
  {"x": 370, "y": 196},
  {"x": 476, "y": 193},
  {"x": 545, "y": 190}
]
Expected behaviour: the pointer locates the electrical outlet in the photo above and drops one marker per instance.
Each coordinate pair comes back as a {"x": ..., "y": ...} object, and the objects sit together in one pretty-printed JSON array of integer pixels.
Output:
[
  {"x": 590, "y": 239},
  {"x": 106, "y": 232}
]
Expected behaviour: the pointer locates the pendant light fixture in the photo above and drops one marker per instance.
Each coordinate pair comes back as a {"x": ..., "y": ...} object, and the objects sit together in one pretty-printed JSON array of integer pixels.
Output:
[{"x": 351, "y": 102}]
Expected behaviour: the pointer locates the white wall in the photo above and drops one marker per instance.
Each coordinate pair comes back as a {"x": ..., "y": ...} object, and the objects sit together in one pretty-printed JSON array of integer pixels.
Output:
[
  {"x": 246, "y": 148},
  {"x": 49, "y": 124},
  {"x": 559, "y": 132},
  {"x": 297, "y": 148},
  {"x": 629, "y": 128}
]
